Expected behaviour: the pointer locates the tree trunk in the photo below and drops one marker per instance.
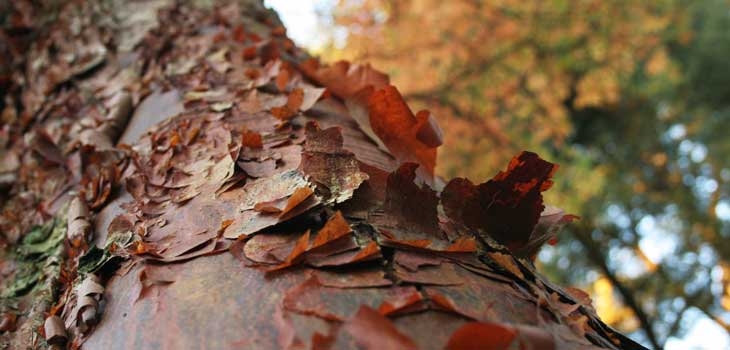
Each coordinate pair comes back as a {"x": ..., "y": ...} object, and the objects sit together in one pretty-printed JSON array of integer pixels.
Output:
[{"x": 184, "y": 177}]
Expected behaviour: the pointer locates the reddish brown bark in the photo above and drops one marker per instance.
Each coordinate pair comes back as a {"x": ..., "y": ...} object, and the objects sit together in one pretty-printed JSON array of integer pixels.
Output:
[{"x": 243, "y": 195}]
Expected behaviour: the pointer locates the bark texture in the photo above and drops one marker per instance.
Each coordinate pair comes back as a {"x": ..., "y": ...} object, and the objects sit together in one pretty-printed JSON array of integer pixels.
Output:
[{"x": 182, "y": 176}]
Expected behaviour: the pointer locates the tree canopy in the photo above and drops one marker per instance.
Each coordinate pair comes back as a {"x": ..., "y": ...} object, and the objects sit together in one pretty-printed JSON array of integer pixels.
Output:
[{"x": 631, "y": 98}]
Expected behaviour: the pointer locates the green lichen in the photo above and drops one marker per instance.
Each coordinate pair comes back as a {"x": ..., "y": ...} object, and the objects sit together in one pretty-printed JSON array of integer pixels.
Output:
[
  {"x": 30, "y": 290},
  {"x": 37, "y": 256}
]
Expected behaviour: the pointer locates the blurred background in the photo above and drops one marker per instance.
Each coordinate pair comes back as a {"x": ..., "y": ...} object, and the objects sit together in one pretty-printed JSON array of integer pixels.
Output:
[{"x": 632, "y": 98}]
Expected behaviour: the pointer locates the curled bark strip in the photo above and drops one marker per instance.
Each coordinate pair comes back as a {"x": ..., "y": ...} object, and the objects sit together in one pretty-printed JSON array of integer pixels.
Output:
[
  {"x": 55, "y": 333},
  {"x": 90, "y": 287},
  {"x": 78, "y": 209},
  {"x": 89, "y": 293},
  {"x": 118, "y": 115},
  {"x": 86, "y": 314},
  {"x": 96, "y": 138},
  {"x": 78, "y": 225},
  {"x": 112, "y": 126}
]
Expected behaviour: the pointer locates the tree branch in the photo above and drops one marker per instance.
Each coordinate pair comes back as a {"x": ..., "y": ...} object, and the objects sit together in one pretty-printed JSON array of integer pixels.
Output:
[
  {"x": 471, "y": 69},
  {"x": 596, "y": 256}
]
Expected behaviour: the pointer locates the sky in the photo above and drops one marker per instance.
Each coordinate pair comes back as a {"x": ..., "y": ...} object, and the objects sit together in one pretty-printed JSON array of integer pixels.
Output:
[
  {"x": 307, "y": 24},
  {"x": 300, "y": 17}
]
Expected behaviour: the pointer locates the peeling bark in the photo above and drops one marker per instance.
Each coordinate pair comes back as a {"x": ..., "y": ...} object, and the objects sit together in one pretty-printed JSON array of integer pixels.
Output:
[{"x": 183, "y": 176}]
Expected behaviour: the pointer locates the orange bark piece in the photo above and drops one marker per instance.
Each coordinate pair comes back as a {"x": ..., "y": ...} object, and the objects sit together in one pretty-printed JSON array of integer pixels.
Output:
[
  {"x": 295, "y": 99},
  {"x": 335, "y": 228},
  {"x": 278, "y": 31},
  {"x": 390, "y": 307},
  {"x": 463, "y": 245},
  {"x": 299, "y": 299},
  {"x": 481, "y": 335},
  {"x": 299, "y": 195},
  {"x": 282, "y": 112},
  {"x": 370, "y": 250},
  {"x": 251, "y": 139},
  {"x": 282, "y": 79},
  {"x": 254, "y": 37},
  {"x": 140, "y": 248},
  {"x": 309, "y": 66},
  {"x": 409, "y": 243},
  {"x": 581, "y": 296},
  {"x": 322, "y": 341},
  {"x": 296, "y": 254},
  {"x": 225, "y": 224},
  {"x": 428, "y": 130},
  {"x": 249, "y": 53},
  {"x": 443, "y": 302},
  {"x": 345, "y": 79},
  {"x": 219, "y": 37},
  {"x": 290, "y": 109},
  {"x": 398, "y": 128},
  {"x": 374, "y": 331},
  {"x": 267, "y": 207},
  {"x": 372, "y": 277},
  {"x": 252, "y": 73},
  {"x": 507, "y": 262},
  {"x": 239, "y": 33}
]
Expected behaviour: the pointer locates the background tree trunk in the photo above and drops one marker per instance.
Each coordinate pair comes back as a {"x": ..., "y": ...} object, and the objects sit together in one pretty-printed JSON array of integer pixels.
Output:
[{"x": 188, "y": 160}]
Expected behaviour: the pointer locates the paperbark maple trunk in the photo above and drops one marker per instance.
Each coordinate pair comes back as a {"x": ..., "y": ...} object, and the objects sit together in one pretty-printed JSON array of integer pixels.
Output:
[{"x": 233, "y": 202}]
